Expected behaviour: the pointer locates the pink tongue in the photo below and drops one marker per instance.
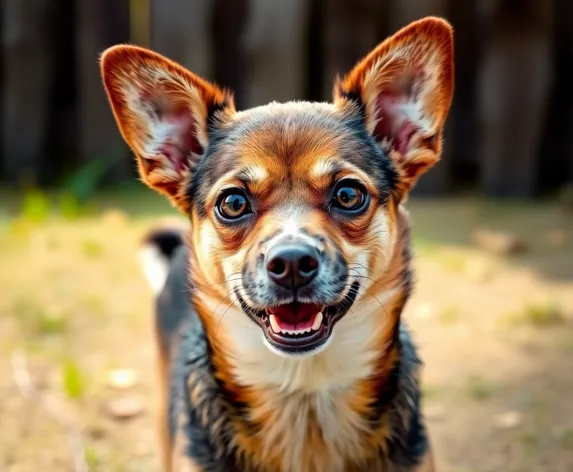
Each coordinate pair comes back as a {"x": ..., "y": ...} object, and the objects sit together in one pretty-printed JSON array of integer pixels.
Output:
[
  {"x": 296, "y": 326},
  {"x": 296, "y": 316}
]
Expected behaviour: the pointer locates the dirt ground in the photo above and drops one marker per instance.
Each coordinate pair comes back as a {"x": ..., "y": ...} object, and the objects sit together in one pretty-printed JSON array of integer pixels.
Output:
[{"x": 495, "y": 334}]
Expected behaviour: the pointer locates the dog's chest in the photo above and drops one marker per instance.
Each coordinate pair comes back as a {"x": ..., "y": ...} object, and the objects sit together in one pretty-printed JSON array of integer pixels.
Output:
[
  {"x": 312, "y": 412},
  {"x": 320, "y": 418},
  {"x": 312, "y": 431}
]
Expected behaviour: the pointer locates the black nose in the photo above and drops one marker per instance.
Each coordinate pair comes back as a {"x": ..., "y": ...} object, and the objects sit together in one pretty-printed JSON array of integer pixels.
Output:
[{"x": 292, "y": 266}]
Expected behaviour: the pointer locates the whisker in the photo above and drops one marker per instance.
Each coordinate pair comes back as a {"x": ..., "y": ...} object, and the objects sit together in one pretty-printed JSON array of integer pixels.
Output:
[
  {"x": 366, "y": 291},
  {"x": 367, "y": 278},
  {"x": 227, "y": 309},
  {"x": 222, "y": 316}
]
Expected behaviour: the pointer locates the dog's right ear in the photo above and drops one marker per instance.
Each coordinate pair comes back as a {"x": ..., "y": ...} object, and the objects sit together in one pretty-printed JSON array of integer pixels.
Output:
[
  {"x": 163, "y": 112},
  {"x": 404, "y": 89}
]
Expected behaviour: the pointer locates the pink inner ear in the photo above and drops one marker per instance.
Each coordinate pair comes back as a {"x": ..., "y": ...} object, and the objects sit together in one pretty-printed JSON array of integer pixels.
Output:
[
  {"x": 393, "y": 123},
  {"x": 173, "y": 131},
  {"x": 181, "y": 143}
]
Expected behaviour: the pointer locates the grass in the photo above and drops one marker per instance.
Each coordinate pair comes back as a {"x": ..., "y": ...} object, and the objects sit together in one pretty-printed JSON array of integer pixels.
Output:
[
  {"x": 566, "y": 440},
  {"x": 93, "y": 456},
  {"x": 453, "y": 262},
  {"x": 53, "y": 321},
  {"x": 73, "y": 380},
  {"x": 92, "y": 249},
  {"x": 100, "y": 459},
  {"x": 539, "y": 315},
  {"x": 32, "y": 205},
  {"x": 430, "y": 392},
  {"x": 69, "y": 208},
  {"x": 94, "y": 303},
  {"x": 424, "y": 246},
  {"x": 529, "y": 440},
  {"x": 37, "y": 319},
  {"x": 479, "y": 389},
  {"x": 35, "y": 206},
  {"x": 449, "y": 315},
  {"x": 546, "y": 314}
]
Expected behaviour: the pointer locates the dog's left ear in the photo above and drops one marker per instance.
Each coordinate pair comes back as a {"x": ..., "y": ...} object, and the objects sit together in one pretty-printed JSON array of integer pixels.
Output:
[
  {"x": 164, "y": 112},
  {"x": 404, "y": 88}
]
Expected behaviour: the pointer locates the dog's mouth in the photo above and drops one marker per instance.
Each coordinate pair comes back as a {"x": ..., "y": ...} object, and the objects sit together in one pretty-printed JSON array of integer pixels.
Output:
[{"x": 296, "y": 328}]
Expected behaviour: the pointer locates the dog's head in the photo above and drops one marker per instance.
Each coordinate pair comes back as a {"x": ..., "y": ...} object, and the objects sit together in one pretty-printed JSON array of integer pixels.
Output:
[{"x": 293, "y": 206}]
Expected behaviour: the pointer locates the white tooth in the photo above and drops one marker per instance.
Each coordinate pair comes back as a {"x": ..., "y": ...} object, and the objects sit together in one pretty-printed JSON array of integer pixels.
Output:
[
  {"x": 317, "y": 321},
  {"x": 274, "y": 324}
]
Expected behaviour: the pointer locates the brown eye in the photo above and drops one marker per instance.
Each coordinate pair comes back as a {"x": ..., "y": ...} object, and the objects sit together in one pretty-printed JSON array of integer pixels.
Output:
[
  {"x": 349, "y": 196},
  {"x": 233, "y": 205}
]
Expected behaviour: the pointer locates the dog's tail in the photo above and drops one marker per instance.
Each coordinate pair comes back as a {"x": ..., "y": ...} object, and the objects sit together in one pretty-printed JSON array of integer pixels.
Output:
[{"x": 157, "y": 250}]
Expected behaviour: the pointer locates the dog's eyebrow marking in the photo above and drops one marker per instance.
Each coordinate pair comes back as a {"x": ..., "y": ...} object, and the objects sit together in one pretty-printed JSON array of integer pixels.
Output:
[
  {"x": 330, "y": 168},
  {"x": 325, "y": 168},
  {"x": 252, "y": 174}
]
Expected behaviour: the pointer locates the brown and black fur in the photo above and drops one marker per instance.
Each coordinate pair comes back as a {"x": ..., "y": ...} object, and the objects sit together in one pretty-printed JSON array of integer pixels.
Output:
[
  {"x": 197, "y": 397},
  {"x": 232, "y": 402}
]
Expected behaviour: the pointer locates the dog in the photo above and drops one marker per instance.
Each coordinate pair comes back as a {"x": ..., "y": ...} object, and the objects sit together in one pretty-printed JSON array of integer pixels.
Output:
[{"x": 278, "y": 314}]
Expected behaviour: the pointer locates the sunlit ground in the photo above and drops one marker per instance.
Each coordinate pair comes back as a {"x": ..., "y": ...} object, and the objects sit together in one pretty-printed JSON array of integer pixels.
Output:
[{"x": 495, "y": 332}]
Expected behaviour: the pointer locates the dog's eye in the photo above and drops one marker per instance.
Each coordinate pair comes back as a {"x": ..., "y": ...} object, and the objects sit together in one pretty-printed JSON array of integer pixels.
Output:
[
  {"x": 349, "y": 196},
  {"x": 233, "y": 205}
]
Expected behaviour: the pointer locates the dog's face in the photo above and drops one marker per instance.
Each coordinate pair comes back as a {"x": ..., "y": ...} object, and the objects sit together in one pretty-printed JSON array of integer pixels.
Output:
[{"x": 293, "y": 206}]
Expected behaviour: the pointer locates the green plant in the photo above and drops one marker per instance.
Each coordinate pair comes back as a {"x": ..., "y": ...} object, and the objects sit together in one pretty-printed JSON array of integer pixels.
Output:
[
  {"x": 35, "y": 206},
  {"x": 84, "y": 182},
  {"x": 73, "y": 381},
  {"x": 544, "y": 314},
  {"x": 537, "y": 315}
]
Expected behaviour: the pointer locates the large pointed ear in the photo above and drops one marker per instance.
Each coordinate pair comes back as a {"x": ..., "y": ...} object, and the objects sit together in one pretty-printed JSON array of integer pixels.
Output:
[
  {"x": 164, "y": 113},
  {"x": 404, "y": 90}
]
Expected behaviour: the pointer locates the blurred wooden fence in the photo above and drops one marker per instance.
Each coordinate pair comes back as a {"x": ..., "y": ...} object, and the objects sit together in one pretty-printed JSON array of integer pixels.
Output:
[{"x": 509, "y": 132}]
